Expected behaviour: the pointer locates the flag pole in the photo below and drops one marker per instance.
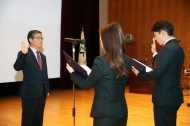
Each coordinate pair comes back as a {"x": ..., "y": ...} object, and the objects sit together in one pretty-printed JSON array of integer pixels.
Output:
[{"x": 82, "y": 51}]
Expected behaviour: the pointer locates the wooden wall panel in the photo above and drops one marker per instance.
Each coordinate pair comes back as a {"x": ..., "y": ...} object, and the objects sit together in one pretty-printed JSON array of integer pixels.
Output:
[
  {"x": 136, "y": 17},
  {"x": 186, "y": 48},
  {"x": 142, "y": 50}
]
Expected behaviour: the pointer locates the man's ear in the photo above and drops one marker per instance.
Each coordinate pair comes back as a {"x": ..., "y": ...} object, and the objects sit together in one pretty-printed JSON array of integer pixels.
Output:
[
  {"x": 30, "y": 40},
  {"x": 163, "y": 33}
]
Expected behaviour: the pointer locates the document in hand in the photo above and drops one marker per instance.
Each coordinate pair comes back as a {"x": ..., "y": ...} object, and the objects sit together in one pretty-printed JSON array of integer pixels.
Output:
[
  {"x": 82, "y": 70},
  {"x": 86, "y": 68},
  {"x": 140, "y": 66}
]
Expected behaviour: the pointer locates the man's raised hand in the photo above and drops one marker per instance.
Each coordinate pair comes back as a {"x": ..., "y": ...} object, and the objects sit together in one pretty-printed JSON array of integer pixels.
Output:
[
  {"x": 153, "y": 46},
  {"x": 24, "y": 48}
]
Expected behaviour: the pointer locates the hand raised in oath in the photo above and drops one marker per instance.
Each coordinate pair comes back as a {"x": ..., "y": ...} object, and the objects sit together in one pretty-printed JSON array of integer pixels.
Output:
[{"x": 24, "y": 48}]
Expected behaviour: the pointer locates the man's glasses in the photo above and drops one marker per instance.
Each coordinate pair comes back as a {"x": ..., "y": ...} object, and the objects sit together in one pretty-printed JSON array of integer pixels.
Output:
[{"x": 38, "y": 38}]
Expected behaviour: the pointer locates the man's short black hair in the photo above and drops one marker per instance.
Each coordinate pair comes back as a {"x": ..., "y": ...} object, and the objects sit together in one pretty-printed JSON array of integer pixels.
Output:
[
  {"x": 32, "y": 33},
  {"x": 163, "y": 25}
]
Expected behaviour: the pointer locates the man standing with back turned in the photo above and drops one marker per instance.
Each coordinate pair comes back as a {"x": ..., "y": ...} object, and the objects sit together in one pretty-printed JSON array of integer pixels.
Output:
[
  {"x": 35, "y": 85},
  {"x": 167, "y": 94}
]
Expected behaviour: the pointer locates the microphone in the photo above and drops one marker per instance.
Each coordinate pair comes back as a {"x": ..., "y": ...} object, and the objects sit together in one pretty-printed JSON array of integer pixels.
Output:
[{"x": 75, "y": 41}]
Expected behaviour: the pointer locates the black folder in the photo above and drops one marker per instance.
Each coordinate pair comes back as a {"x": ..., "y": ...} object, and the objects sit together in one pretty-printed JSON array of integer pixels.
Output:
[
  {"x": 76, "y": 67},
  {"x": 140, "y": 66}
]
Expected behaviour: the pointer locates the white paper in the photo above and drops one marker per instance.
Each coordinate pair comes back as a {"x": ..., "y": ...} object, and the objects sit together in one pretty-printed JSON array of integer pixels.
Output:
[{"x": 88, "y": 70}]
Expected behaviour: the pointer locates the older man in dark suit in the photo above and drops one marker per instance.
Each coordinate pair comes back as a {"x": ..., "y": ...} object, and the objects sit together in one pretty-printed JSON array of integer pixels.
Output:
[
  {"x": 167, "y": 94},
  {"x": 35, "y": 86}
]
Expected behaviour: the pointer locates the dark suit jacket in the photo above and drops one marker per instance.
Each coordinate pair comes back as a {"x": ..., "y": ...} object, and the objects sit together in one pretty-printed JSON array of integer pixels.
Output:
[
  {"x": 166, "y": 75},
  {"x": 34, "y": 79},
  {"x": 109, "y": 98}
]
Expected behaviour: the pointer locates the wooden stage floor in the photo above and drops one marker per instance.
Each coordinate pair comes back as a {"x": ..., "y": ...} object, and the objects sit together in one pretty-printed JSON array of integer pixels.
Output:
[{"x": 58, "y": 110}]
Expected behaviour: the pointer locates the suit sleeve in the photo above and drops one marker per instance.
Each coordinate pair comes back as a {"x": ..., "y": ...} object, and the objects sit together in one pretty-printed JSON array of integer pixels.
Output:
[
  {"x": 95, "y": 75},
  {"x": 163, "y": 60},
  {"x": 19, "y": 64}
]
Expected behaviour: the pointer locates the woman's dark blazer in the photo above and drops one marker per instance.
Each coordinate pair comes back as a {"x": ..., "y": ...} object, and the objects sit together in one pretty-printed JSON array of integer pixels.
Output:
[{"x": 109, "y": 98}]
